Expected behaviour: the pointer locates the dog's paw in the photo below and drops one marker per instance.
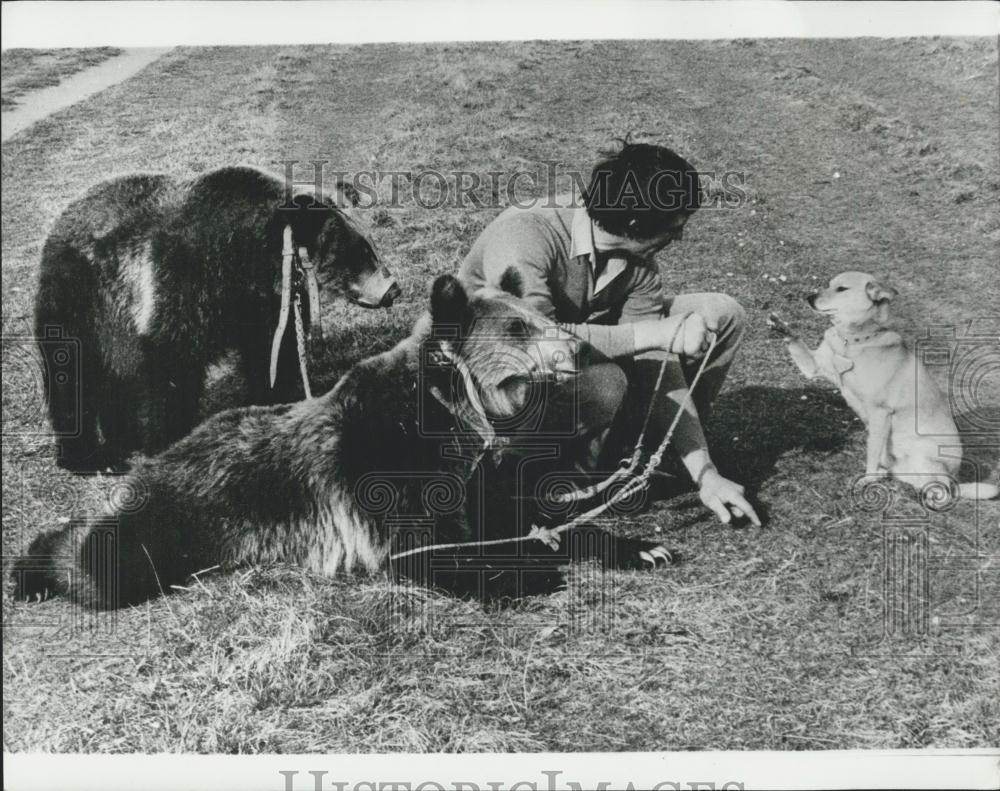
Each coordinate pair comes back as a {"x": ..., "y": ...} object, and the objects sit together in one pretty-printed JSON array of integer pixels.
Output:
[{"x": 779, "y": 326}]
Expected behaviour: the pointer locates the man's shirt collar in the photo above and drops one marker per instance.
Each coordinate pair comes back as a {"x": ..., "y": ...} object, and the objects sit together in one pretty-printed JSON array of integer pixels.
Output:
[
  {"x": 582, "y": 243},
  {"x": 581, "y": 234}
]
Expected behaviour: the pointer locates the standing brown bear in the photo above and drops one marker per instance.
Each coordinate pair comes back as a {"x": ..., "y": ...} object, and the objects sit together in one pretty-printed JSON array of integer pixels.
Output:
[
  {"x": 146, "y": 281},
  {"x": 330, "y": 483}
]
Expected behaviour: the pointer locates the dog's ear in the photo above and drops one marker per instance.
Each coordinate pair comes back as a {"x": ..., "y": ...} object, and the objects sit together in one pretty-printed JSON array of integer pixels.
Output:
[
  {"x": 512, "y": 282},
  {"x": 879, "y": 293},
  {"x": 449, "y": 302}
]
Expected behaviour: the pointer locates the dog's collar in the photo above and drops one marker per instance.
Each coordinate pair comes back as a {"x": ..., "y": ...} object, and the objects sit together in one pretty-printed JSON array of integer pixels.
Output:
[{"x": 854, "y": 339}]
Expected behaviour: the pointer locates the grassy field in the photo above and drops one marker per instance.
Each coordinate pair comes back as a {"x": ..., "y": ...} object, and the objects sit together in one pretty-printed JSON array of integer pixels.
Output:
[
  {"x": 26, "y": 70},
  {"x": 872, "y": 155}
]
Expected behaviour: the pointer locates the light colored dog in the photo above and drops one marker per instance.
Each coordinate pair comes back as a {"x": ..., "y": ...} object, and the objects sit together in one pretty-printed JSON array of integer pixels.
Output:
[{"x": 880, "y": 377}]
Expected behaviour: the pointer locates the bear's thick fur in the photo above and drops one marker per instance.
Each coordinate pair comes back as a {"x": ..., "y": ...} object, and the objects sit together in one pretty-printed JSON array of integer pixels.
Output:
[
  {"x": 146, "y": 281},
  {"x": 330, "y": 482}
]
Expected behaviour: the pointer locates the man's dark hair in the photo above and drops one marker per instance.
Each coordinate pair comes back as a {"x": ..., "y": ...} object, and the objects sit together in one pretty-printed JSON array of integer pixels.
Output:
[{"x": 639, "y": 191}]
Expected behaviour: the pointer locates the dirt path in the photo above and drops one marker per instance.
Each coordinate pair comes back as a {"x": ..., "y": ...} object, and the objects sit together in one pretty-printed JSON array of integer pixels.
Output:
[{"x": 39, "y": 104}]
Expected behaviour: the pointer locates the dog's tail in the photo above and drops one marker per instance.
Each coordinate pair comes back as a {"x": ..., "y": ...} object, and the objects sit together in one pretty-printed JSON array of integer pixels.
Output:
[{"x": 978, "y": 491}]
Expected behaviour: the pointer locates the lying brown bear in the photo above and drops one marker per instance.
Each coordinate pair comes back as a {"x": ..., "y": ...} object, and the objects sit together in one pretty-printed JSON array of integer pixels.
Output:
[
  {"x": 146, "y": 281},
  {"x": 330, "y": 483}
]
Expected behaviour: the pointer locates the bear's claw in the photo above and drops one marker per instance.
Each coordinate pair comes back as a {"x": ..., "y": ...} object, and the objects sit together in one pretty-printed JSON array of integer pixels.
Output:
[{"x": 656, "y": 555}]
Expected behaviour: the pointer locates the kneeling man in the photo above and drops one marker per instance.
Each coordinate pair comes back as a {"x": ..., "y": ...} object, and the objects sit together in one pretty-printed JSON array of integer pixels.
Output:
[{"x": 590, "y": 265}]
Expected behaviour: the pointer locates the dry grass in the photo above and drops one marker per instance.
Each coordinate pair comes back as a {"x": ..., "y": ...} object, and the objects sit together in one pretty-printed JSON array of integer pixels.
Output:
[
  {"x": 26, "y": 70},
  {"x": 745, "y": 644}
]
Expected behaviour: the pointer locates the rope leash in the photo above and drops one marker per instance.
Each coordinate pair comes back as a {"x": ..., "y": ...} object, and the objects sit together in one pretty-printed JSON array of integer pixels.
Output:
[
  {"x": 300, "y": 345},
  {"x": 550, "y": 536},
  {"x": 298, "y": 263},
  {"x": 287, "y": 256},
  {"x": 624, "y": 471},
  {"x": 481, "y": 422}
]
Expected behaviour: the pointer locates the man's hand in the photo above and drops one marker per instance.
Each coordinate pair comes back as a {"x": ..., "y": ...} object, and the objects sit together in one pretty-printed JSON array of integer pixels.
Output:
[
  {"x": 685, "y": 335},
  {"x": 725, "y": 498}
]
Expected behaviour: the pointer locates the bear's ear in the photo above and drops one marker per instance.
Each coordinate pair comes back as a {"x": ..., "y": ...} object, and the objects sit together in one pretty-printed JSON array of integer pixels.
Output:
[
  {"x": 449, "y": 302},
  {"x": 344, "y": 195},
  {"x": 512, "y": 282},
  {"x": 306, "y": 215},
  {"x": 879, "y": 293}
]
